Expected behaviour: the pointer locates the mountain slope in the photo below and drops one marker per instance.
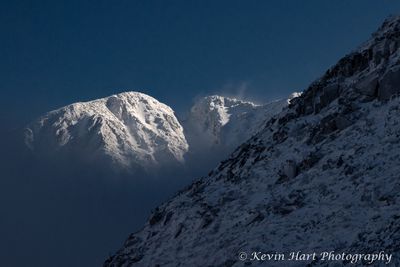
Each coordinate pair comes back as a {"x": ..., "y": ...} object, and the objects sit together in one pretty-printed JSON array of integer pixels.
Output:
[
  {"x": 222, "y": 123},
  {"x": 128, "y": 130},
  {"x": 323, "y": 175}
]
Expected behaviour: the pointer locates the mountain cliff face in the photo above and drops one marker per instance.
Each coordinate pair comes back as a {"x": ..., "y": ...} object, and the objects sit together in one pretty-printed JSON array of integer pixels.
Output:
[
  {"x": 220, "y": 123},
  {"x": 323, "y": 175},
  {"x": 128, "y": 130}
]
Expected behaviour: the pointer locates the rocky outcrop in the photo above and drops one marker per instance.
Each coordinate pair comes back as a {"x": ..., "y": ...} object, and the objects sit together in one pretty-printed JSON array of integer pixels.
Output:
[{"x": 368, "y": 73}]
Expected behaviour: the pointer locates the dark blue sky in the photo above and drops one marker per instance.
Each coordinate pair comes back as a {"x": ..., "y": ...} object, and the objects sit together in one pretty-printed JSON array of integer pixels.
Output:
[{"x": 57, "y": 52}]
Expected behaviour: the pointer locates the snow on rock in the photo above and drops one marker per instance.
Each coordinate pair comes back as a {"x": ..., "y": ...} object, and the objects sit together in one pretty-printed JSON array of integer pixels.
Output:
[
  {"x": 222, "y": 123},
  {"x": 322, "y": 175},
  {"x": 128, "y": 130}
]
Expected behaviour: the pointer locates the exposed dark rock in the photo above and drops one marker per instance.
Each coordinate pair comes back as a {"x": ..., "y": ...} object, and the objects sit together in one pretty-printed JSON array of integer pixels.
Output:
[
  {"x": 280, "y": 136},
  {"x": 157, "y": 216},
  {"x": 389, "y": 85},
  {"x": 179, "y": 230},
  {"x": 132, "y": 240},
  {"x": 342, "y": 122},
  {"x": 368, "y": 86},
  {"x": 329, "y": 93},
  {"x": 207, "y": 220},
  {"x": 309, "y": 161},
  {"x": 287, "y": 117},
  {"x": 286, "y": 206},
  {"x": 168, "y": 217},
  {"x": 258, "y": 218}
]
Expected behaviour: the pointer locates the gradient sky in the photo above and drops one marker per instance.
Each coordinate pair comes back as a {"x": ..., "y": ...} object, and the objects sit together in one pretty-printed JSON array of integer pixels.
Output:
[{"x": 57, "y": 52}]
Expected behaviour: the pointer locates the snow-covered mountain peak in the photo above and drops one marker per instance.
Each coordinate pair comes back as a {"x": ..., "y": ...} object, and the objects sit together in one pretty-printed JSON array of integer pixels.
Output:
[
  {"x": 216, "y": 125},
  {"x": 128, "y": 130},
  {"x": 219, "y": 108},
  {"x": 223, "y": 122}
]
